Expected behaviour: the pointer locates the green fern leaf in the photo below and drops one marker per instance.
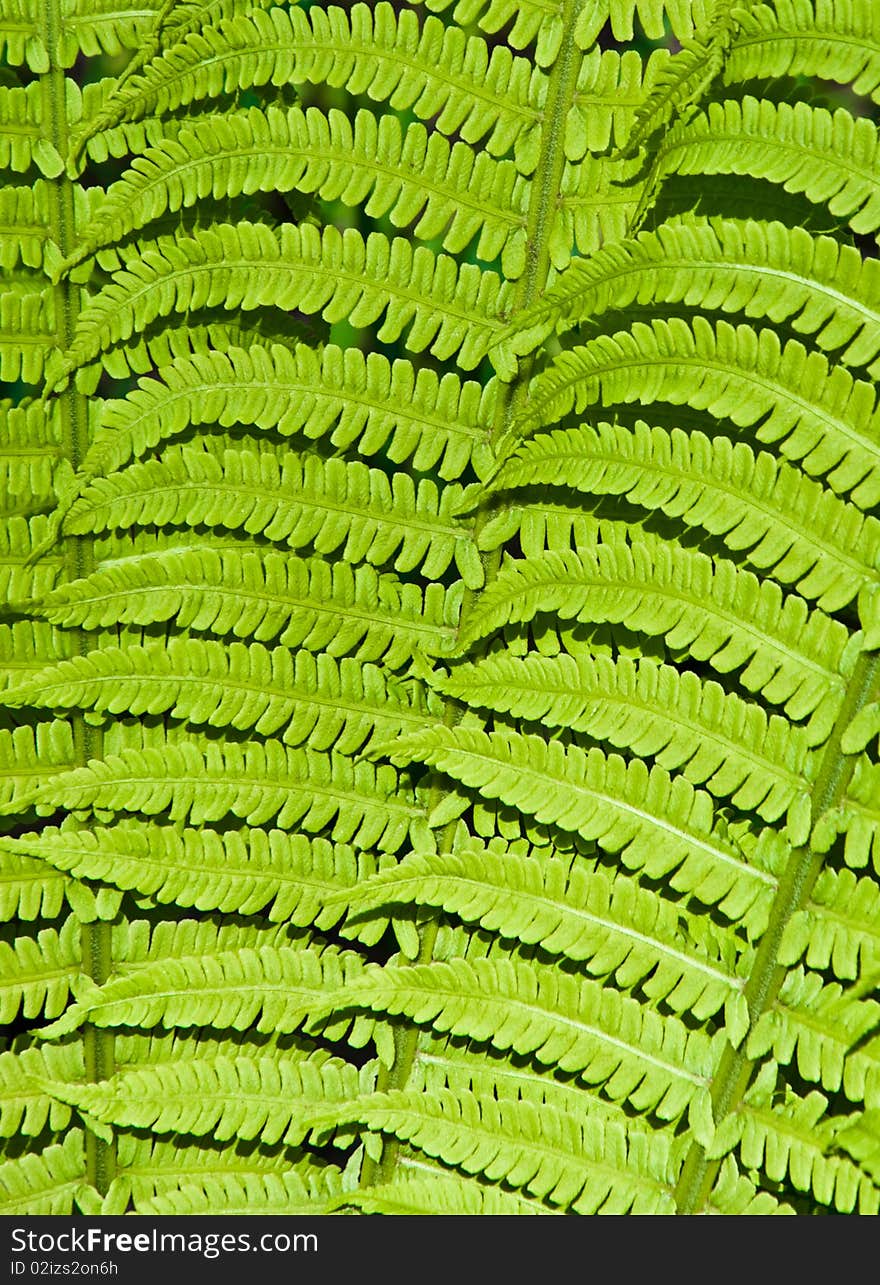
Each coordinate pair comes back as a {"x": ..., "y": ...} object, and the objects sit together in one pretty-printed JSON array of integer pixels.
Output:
[
  {"x": 312, "y": 700},
  {"x": 241, "y": 1098},
  {"x": 25, "y": 1109},
  {"x": 287, "y": 878},
  {"x": 271, "y": 988},
  {"x": 38, "y": 971},
  {"x": 817, "y": 414},
  {"x": 787, "y": 524},
  {"x": 356, "y": 400},
  {"x": 257, "y": 781},
  {"x": 653, "y": 1063},
  {"x": 311, "y": 604},
  {"x": 616, "y": 928},
  {"x": 281, "y": 1194},
  {"x": 587, "y": 1166},
  {"x": 333, "y": 506},
  {"x": 716, "y": 613},
  {"x": 46, "y": 1182},
  {"x": 831, "y": 157}
]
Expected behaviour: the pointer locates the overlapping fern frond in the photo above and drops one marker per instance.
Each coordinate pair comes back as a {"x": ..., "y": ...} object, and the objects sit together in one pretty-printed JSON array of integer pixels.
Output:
[{"x": 439, "y": 467}]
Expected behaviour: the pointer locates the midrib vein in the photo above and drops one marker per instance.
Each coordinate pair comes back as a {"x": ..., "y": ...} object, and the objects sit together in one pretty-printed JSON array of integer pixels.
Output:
[
  {"x": 543, "y": 199},
  {"x": 98, "y": 1045},
  {"x": 735, "y": 1070}
]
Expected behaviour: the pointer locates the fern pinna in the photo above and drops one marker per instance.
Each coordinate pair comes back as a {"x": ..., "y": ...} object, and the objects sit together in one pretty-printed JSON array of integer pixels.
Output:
[{"x": 442, "y": 602}]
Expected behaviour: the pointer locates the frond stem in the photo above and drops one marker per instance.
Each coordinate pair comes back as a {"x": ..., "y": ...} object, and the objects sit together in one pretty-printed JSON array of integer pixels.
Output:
[
  {"x": 543, "y": 198},
  {"x": 98, "y": 1044},
  {"x": 735, "y": 1070}
]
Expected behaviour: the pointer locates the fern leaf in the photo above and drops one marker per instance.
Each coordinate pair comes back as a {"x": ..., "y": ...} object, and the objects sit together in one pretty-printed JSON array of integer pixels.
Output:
[
  {"x": 45, "y": 1182},
  {"x": 28, "y": 753},
  {"x": 333, "y": 506},
  {"x": 310, "y": 699},
  {"x": 817, "y": 414},
  {"x": 611, "y": 87},
  {"x": 786, "y": 524},
  {"x": 792, "y": 1142},
  {"x": 38, "y": 972},
  {"x": 585, "y": 1165},
  {"x": 616, "y": 928},
  {"x": 271, "y": 988},
  {"x": 763, "y": 270},
  {"x": 337, "y": 274},
  {"x": 487, "y": 96},
  {"x": 28, "y": 890},
  {"x": 25, "y": 1108},
  {"x": 716, "y": 740},
  {"x": 258, "y": 782},
  {"x": 857, "y": 817},
  {"x": 22, "y": 40},
  {"x": 227, "y": 1098},
  {"x": 356, "y": 400},
  {"x": 287, "y": 878},
  {"x": 653, "y": 1063},
  {"x": 417, "y": 1194},
  {"x": 310, "y": 604},
  {"x": 469, "y": 194},
  {"x": 654, "y": 821},
  {"x": 805, "y": 38},
  {"x": 788, "y": 654},
  {"x": 683, "y": 16},
  {"x": 23, "y": 137},
  {"x": 831, "y": 157},
  {"x": 281, "y": 1194},
  {"x": 838, "y": 929},
  {"x": 829, "y": 1036}
]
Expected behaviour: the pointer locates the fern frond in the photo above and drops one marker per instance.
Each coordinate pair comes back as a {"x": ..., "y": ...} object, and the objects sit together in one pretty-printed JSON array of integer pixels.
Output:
[
  {"x": 281, "y": 1194},
  {"x": 22, "y": 41},
  {"x": 857, "y": 817},
  {"x": 785, "y": 524},
  {"x": 28, "y": 890},
  {"x": 25, "y": 1108},
  {"x": 487, "y": 96},
  {"x": 683, "y": 17},
  {"x": 587, "y": 1165},
  {"x": 831, "y": 157},
  {"x": 28, "y": 645},
  {"x": 418, "y": 1193},
  {"x": 839, "y": 929},
  {"x": 560, "y": 1019},
  {"x": 23, "y": 136},
  {"x": 614, "y": 927},
  {"x": 24, "y": 216},
  {"x": 356, "y": 400},
  {"x": 839, "y": 41},
  {"x": 38, "y": 971},
  {"x": 301, "y": 603},
  {"x": 334, "y": 506},
  {"x": 794, "y": 1141},
  {"x": 611, "y": 87},
  {"x": 29, "y": 753},
  {"x": 716, "y": 740},
  {"x": 27, "y": 332},
  {"x": 313, "y": 700},
  {"x": 443, "y": 307},
  {"x": 830, "y": 1037},
  {"x": 817, "y": 413},
  {"x": 227, "y": 1098},
  {"x": 257, "y": 781},
  {"x": 654, "y": 821},
  {"x": 270, "y": 988},
  {"x": 44, "y": 1182},
  {"x": 460, "y": 194},
  {"x": 763, "y": 270},
  {"x": 711, "y": 609},
  {"x": 286, "y": 878}
]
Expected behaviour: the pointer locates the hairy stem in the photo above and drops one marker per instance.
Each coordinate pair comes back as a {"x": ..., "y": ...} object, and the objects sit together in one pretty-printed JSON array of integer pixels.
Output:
[
  {"x": 543, "y": 200},
  {"x": 735, "y": 1070},
  {"x": 73, "y": 413}
]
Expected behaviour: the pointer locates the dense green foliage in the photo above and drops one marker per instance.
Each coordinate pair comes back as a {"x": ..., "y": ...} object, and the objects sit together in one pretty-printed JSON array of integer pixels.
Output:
[{"x": 440, "y": 700}]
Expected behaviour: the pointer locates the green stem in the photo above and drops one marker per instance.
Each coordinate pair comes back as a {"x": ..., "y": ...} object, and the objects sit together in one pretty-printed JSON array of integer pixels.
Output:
[
  {"x": 735, "y": 1070},
  {"x": 543, "y": 202},
  {"x": 73, "y": 412}
]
